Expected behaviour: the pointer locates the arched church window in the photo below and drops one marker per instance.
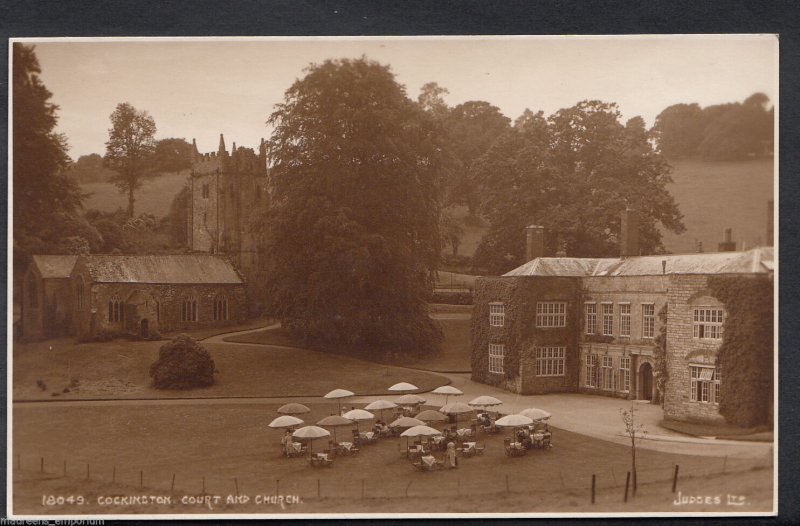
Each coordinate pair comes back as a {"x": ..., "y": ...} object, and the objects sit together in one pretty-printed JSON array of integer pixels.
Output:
[
  {"x": 115, "y": 313},
  {"x": 189, "y": 308},
  {"x": 220, "y": 308}
]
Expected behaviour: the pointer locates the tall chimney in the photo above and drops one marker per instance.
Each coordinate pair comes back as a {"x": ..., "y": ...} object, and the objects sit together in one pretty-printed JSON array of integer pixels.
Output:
[
  {"x": 727, "y": 245},
  {"x": 770, "y": 224},
  {"x": 629, "y": 233},
  {"x": 534, "y": 242}
]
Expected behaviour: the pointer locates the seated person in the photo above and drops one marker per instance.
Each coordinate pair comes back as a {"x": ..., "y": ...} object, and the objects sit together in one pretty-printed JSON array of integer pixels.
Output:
[{"x": 485, "y": 420}]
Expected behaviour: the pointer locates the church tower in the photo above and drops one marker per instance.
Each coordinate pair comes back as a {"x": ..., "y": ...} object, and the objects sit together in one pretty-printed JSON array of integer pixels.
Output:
[{"x": 226, "y": 211}]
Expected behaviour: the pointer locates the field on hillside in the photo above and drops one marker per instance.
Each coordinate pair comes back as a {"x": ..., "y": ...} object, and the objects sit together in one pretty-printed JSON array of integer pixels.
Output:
[
  {"x": 714, "y": 196},
  {"x": 154, "y": 197}
]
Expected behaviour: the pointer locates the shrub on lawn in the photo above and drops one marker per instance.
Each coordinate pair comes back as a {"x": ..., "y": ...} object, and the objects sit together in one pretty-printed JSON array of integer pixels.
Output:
[{"x": 182, "y": 364}]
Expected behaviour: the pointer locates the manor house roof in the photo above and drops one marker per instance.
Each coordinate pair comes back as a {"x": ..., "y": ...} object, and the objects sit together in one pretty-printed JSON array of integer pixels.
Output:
[
  {"x": 168, "y": 269},
  {"x": 754, "y": 261},
  {"x": 54, "y": 266}
]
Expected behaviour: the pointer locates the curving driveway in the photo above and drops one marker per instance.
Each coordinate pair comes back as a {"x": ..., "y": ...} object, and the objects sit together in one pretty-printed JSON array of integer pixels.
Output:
[
  {"x": 595, "y": 416},
  {"x": 591, "y": 415}
]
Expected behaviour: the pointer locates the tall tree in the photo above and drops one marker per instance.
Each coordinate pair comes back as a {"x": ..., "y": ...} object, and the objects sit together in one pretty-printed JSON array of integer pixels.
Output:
[
  {"x": 172, "y": 155},
  {"x": 573, "y": 174},
  {"x": 129, "y": 149},
  {"x": 43, "y": 195},
  {"x": 678, "y": 130},
  {"x": 472, "y": 129},
  {"x": 354, "y": 238}
]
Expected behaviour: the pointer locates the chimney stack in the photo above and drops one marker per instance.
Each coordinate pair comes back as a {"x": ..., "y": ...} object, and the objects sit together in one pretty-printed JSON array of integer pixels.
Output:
[
  {"x": 727, "y": 245},
  {"x": 534, "y": 242},
  {"x": 770, "y": 224},
  {"x": 629, "y": 233}
]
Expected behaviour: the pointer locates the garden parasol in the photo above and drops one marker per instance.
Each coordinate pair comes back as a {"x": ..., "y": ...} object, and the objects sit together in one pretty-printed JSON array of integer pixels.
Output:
[
  {"x": 310, "y": 433},
  {"x": 334, "y": 421},
  {"x": 431, "y": 416},
  {"x": 293, "y": 408},
  {"x": 338, "y": 394},
  {"x": 380, "y": 405},
  {"x": 285, "y": 421},
  {"x": 403, "y": 386},
  {"x": 535, "y": 414},
  {"x": 448, "y": 390},
  {"x": 358, "y": 415}
]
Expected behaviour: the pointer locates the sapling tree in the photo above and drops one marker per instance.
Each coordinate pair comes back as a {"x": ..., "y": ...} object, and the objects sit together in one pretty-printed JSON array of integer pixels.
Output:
[{"x": 634, "y": 430}]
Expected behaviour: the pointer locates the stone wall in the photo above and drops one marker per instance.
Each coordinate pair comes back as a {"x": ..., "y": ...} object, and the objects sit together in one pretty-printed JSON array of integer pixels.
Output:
[
  {"x": 636, "y": 291},
  {"x": 204, "y": 213},
  {"x": 51, "y": 315},
  {"x": 160, "y": 304},
  {"x": 685, "y": 292}
]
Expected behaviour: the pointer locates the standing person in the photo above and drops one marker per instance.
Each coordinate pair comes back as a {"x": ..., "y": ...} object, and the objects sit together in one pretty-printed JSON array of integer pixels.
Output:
[
  {"x": 450, "y": 458},
  {"x": 286, "y": 442}
]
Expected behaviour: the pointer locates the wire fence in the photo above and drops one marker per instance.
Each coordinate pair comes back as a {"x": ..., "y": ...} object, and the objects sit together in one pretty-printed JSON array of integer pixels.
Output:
[{"x": 325, "y": 483}]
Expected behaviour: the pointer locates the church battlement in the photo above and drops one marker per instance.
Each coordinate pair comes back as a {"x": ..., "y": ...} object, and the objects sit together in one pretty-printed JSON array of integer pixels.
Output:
[{"x": 239, "y": 160}]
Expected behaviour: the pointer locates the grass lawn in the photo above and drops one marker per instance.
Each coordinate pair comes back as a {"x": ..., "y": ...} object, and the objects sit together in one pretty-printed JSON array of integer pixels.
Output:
[
  {"x": 225, "y": 441},
  {"x": 154, "y": 197},
  {"x": 716, "y": 195},
  {"x": 725, "y": 431},
  {"x": 454, "y": 356},
  {"x": 120, "y": 369}
]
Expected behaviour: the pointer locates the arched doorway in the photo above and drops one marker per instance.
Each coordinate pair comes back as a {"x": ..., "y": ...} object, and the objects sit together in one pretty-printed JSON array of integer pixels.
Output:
[
  {"x": 144, "y": 330},
  {"x": 646, "y": 381}
]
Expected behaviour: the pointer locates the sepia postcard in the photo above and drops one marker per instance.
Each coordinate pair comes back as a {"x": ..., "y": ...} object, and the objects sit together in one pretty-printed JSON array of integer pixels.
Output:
[{"x": 392, "y": 276}]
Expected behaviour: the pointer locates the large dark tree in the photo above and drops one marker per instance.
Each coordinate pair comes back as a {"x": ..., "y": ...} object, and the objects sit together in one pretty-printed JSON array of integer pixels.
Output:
[
  {"x": 573, "y": 173},
  {"x": 678, "y": 130},
  {"x": 172, "y": 155},
  {"x": 354, "y": 216},
  {"x": 43, "y": 196},
  {"x": 129, "y": 149},
  {"x": 472, "y": 128}
]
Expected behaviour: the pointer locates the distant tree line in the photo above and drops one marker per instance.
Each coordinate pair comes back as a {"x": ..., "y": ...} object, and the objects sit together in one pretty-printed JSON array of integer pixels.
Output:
[
  {"x": 723, "y": 132},
  {"x": 169, "y": 156}
]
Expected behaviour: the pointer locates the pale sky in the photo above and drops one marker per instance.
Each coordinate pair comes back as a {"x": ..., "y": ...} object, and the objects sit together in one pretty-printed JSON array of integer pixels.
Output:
[{"x": 199, "y": 89}]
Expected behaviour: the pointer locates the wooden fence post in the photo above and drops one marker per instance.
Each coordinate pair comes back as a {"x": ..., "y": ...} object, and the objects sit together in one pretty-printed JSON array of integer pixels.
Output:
[
  {"x": 319, "y": 490},
  {"x": 627, "y": 483},
  {"x": 114, "y": 474},
  {"x": 408, "y": 486},
  {"x": 65, "y": 468},
  {"x": 141, "y": 478},
  {"x": 613, "y": 476},
  {"x": 277, "y": 486},
  {"x": 172, "y": 486},
  {"x": 41, "y": 465},
  {"x": 675, "y": 479},
  {"x": 593, "y": 488},
  {"x": 87, "y": 471},
  {"x": 236, "y": 484}
]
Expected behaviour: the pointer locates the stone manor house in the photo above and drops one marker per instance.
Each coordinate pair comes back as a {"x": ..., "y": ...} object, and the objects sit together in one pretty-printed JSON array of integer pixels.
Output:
[{"x": 564, "y": 324}]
